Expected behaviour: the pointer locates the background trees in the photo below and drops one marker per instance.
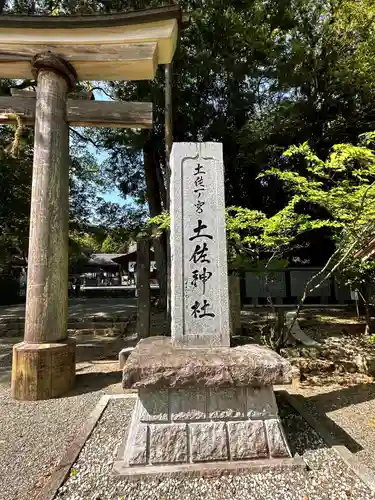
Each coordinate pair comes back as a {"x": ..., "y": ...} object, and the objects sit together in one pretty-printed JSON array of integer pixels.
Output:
[{"x": 257, "y": 75}]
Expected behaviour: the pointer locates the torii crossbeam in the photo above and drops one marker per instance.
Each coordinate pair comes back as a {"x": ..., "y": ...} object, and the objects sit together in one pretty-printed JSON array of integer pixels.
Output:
[{"x": 58, "y": 51}]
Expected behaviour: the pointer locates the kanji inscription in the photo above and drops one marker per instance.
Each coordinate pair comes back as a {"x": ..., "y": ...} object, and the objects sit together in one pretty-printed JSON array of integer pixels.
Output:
[{"x": 199, "y": 292}]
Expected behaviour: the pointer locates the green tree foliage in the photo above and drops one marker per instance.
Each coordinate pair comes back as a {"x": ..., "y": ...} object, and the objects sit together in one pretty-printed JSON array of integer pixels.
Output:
[
  {"x": 337, "y": 193},
  {"x": 15, "y": 190},
  {"x": 321, "y": 90},
  {"x": 259, "y": 76}
]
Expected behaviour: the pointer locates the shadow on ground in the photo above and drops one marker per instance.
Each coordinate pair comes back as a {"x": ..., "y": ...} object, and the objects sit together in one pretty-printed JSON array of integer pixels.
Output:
[
  {"x": 92, "y": 348},
  {"x": 333, "y": 434},
  {"x": 95, "y": 381},
  {"x": 82, "y": 307},
  {"x": 297, "y": 431},
  {"x": 354, "y": 419},
  {"x": 340, "y": 398}
]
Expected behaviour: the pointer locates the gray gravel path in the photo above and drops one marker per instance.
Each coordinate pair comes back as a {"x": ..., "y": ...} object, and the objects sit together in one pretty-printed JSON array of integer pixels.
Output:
[
  {"x": 351, "y": 409},
  {"x": 33, "y": 435},
  {"x": 328, "y": 477},
  {"x": 81, "y": 307}
]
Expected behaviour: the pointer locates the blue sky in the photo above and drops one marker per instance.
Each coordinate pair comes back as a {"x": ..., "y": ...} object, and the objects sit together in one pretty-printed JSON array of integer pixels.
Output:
[{"x": 114, "y": 195}]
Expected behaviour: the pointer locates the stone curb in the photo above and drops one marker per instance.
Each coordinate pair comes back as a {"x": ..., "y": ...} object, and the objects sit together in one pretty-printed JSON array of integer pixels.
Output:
[
  {"x": 366, "y": 474},
  {"x": 58, "y": 476},
  {"x": 208, "y": 469}
]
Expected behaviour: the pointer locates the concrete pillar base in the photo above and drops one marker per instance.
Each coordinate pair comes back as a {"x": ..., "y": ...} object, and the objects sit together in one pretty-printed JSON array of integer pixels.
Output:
[{"x": 43, "y": 371}]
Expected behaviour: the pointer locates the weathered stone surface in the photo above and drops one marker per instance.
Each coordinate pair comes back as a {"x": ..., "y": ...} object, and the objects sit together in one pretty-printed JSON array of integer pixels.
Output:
[
  {"x": 188, "y": 404},
  {"x": 208, "y": 441},
  {"x": 226, "y": 403},
  {"x": 156, "y": 362},
  {"x": 138, "y": 452},
  {"x": 168, "y": 443},
  {"x": 260, "y": 402},
  {"x": 276, "y": 441},
  {"x": 154, "y": 405},
  {"x": 247, "y": 439},
  {"x": 199, "y": 275}
]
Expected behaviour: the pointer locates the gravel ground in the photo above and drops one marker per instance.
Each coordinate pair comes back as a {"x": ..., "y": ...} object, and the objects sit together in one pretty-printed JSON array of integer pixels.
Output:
[
  {"x": 328, "y": 478},
  {"x": 34, "y": 435},
  {"x": 81, "y": 307},
  {"x": 352, "y": 409}
]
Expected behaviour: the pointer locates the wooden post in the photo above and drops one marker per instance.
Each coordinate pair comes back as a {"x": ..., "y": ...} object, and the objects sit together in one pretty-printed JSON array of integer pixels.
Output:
[
  {"x": 44, "y": 364},
  {"x": 235, "y": 303},
  {"x": 168, "y": 149},
  {"x": 168, "y": 124},
  {"x": 143, "y": 287}
]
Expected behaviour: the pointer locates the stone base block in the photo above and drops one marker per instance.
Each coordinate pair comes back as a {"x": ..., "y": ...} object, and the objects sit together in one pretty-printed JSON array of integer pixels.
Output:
[
  {"x": 43, "y": 371},
  {"x": 200, "y": 425},
  {"x": 208, "y": 469},
  {"x": 158, "y": 363}
]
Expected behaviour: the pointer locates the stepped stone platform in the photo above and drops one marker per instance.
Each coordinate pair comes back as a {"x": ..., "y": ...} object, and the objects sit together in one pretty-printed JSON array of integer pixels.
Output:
[{"x": 202, "y": 405}]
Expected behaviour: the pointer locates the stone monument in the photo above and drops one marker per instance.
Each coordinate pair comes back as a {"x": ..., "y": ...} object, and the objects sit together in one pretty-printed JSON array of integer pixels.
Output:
[
  {"x": 202, "y": 406},
  {"x": 199, "y": 298}
]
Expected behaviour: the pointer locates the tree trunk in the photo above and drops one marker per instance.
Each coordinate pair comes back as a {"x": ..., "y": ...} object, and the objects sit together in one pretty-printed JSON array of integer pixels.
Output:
[{"x": 155, "y": 207}]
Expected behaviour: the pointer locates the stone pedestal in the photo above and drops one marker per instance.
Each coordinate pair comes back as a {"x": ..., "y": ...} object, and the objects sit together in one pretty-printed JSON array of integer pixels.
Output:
[
  {"x": 197, "y": 406},
  {"x": 43, "y": 371},
  {"x": 202, "y": 407}
]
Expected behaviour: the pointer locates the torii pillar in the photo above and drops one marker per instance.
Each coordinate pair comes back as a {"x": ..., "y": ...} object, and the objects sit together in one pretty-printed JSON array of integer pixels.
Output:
[
  {"x": 57, "y": 51},
  {"x": 44, "y": 364}
]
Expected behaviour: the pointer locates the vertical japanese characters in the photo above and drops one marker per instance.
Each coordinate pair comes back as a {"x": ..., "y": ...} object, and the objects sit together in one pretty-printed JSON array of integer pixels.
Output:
[
  {"x": 200, "y": 257},
  {"x": 199, "y": 279}
]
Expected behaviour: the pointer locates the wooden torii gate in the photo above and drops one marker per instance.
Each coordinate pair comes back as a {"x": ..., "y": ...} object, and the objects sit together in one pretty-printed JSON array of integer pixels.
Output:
[{"x": 56, "y": 52}]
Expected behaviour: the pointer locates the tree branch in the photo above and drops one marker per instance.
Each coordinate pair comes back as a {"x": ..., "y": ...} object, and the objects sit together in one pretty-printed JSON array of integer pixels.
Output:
[
  {"x": 346, "y": 254},
  {"x": 278, "y": 335},
  {"x": 86, "y": 139},
  {"x": 361, "y": 208},
  {"x": 335, "y": 253},
  {"x": 5, "y": 90},
  {"x": 160, "y": 178},
  {"x": 104, "y": 92},
  {"x": 309, "y": 281}
]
